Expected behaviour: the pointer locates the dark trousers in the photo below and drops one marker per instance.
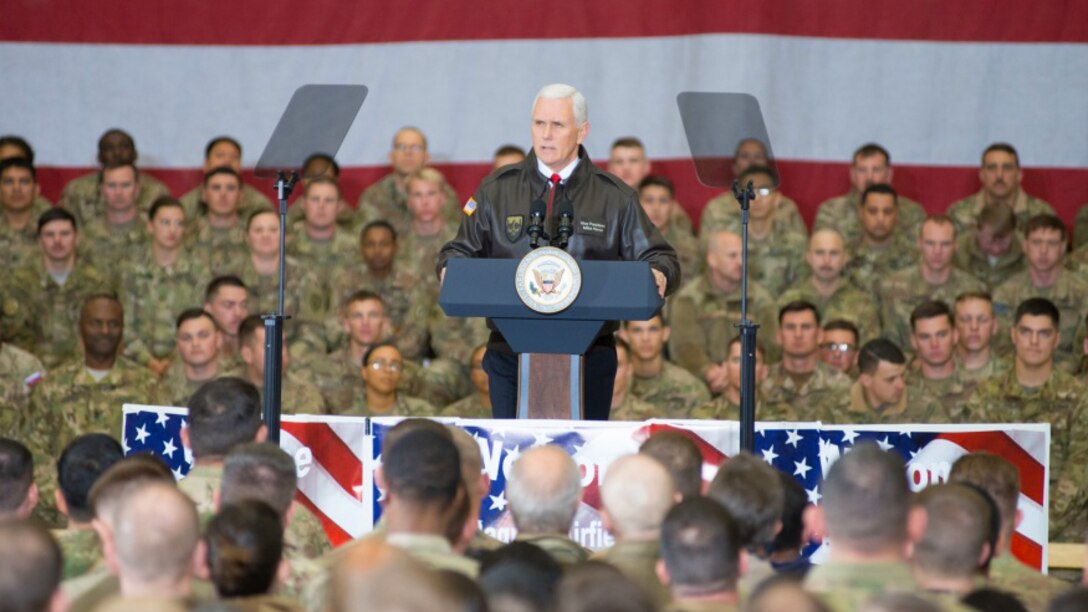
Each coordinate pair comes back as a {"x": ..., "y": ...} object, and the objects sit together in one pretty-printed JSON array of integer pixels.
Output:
[{"x": 598, "y": 377}]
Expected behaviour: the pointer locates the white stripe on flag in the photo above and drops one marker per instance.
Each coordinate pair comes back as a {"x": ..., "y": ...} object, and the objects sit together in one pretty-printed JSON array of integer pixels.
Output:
[
  {"x": 1033, "y": 520},
  {"x": 338, "y": 505}
]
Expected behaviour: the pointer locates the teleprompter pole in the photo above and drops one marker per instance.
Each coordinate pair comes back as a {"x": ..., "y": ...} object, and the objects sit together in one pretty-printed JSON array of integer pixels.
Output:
[
  {"x": 273, "y": 323},
  {"x": 748, "y": 330}
]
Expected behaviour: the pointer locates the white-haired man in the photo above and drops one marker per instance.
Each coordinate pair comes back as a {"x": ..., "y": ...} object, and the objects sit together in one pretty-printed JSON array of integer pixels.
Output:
[{"x": 544, "y": 490}]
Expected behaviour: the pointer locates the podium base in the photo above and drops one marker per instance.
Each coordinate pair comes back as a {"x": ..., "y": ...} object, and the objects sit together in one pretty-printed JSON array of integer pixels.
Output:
[{"x": 550, "y": 386}]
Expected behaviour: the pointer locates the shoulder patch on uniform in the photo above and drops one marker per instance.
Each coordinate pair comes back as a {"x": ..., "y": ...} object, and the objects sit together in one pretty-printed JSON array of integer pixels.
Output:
[
  {"x": 32, "y": 380},
  {"x": 469, "y": 207}
]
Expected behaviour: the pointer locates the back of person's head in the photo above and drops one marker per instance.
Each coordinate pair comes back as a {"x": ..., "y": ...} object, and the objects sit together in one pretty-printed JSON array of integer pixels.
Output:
[
  {"x": 464, "y": 593},
  {"x": 261, "y": 471},
  {"x": 110, "y": 488},
  {"x": 244, "y": 548},
  {"x": 955, "y": 543},
  {"x": 472, "y": 461},
  {"x": 30, "y": 567},
  {"x": 680, "y": 456},
  {"x": 900, "y": 602},
  {"x": 423, "y": 467},
  {"x": 636, "y": 493},
  {"x": 1073, "y": 600},
  {"x": 520, "y": 577},
  {"x": 156, "y": 534},
  {"x": 597, "y": 586},
  {"x": 866, "y": 500},
  {"x": 81, "y": 463},
  {"x": 404, "y": 426},
  {"x": 995, "y": 600},
  {"x": 16, "y": 479},
  {"x": 752, "y": 493},
  {"x": 996, "y": 476},
  {"x": 701, "y": 548},
  {"x": 794, "y": 502},
  {"x": 223, "y": 413},
  {"x": 375, "y": 577},
  {"x": 783, "y": 593},
  {"x": 544, "y": 489}
]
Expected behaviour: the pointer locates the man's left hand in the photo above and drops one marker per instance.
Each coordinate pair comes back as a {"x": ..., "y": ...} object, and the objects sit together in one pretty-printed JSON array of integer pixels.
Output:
[{"x": 662, "y": 283}]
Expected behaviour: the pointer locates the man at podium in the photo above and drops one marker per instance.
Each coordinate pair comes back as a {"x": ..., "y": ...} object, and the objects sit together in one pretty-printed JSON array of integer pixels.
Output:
[{"x": 608, "y": 224}]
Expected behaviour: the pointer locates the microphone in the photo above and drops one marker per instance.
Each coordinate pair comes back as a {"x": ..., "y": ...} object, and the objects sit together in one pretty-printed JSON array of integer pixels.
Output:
[
  {"x": 536, "y": 222},
  {"x": 566, "y": 222}
]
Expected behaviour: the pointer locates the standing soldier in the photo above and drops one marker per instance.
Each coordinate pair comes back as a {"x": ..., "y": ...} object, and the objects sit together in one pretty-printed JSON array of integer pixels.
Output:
[
  {"x": 318, "y": 243},
  {"x": 18, "y": 211},
  {"x": 672, "y": 390},
  {"x": 1000, "y": 175},
  {"x": 991, "y": 250},
  {"x": 224, "y": 151},
  {"x": 883, "y": 247}
]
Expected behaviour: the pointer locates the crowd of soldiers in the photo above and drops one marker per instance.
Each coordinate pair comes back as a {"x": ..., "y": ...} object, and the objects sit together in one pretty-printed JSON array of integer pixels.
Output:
[{"x": 884, "y": 313}]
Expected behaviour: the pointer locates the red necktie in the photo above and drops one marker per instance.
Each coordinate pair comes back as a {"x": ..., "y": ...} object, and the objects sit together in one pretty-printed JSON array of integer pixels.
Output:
[{"x": 555, "y": 178}]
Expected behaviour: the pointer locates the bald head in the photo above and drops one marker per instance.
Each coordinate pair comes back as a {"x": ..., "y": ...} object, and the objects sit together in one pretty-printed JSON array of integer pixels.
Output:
[
  {"x": 723, "y": 258},
  {"x": 544, "y": 489},
  {"x": 156, "y": 534},
  {"x": 723, "y": 241},
  {"x": 637, "y": 493},
  {"x": 826, "y": 254}
]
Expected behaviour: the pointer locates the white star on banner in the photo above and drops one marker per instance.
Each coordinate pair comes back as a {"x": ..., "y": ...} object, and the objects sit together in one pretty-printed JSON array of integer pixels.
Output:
[
  {"x": 169, "y": 449},
  {"x": 513, "y": 455},
  {"x": 814, "y": 496},
  {"x": 177, "y": 474},
  {"x": 884, "y": 444},
  {"x": 141, "y": 434},
  {"x": 792, "y": 438},
  {"x": 498, "y": 502},
  {"x": 162, "y": 418},
  {"x": 542, "y": 439},
  {"x": 848, "y": 436},
  {"x": 769, "y": 455},
  {"x": 913, "y": 454},
  {"x": 801, "y": 468},
  {"x": 124, "y": 447}
]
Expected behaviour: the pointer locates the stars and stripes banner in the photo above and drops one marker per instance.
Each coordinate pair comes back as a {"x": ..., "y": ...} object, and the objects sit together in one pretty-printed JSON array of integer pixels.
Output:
[
  {"x": 336, "y": 458},
  {"x": 931, "y": 85}
]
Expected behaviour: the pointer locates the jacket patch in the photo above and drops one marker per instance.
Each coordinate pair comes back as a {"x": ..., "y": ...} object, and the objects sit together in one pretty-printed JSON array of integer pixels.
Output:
[
  {"x": 586, "y": 226},
  {"x": 514, "y": 225}
]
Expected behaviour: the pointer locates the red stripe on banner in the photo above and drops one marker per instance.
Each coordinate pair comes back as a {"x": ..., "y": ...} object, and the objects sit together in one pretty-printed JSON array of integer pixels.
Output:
[
  {"x": 1027, "y": 551},
  {"x": 325, "y": 22},
  {"x": 330, "y": 452},
  {"x": 1032, "y": 474},
  {"x": 808, "y": 183},
  {"x": 337, "y": 536}
]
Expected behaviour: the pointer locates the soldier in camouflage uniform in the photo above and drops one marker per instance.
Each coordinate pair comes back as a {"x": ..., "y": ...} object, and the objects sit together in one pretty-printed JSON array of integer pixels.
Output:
[
  {"x": 726, "y": 407},
  {"x": 198, "y": 340},
  {"x": 832, "y": 291},
  {"x": 218, "y": 236},
  {"x": 478, "y": 404},
  {"x": 991, "y": 250},
  {"x": 428, "y": 231},
  {"x": 1044, "y": 245},
  {"x": 45, "y": 296},
  {"x": 79, "y": 466},
  {"x": 321, "y": 165},
  {"x": 934, "y": 278},
  {"x": 704, "y": 312},
  {"x": 19, "y": 212},
  {"x": 318, "y": 243},
  {"x": 298, "y": 394},
  {"x": 871, "y": 165},
  {"x": 382, "y": 366},
  {"x": 20, "y": 372},
  {"x": 454, "y": 340},
  {"x": 657, "y": 196},
  {"x": 801, "y": 380},
  {"x": 224, "y": 151},
  {"x": 723, "y": 211},
  {"x": 110, "y": 239},
  {"x": 1000, "y": 176},
  {"x": 936, "y": 379},
  {"x": 388, "y": 198},
  {"x": 976, "y": 361},
  {"x": 628, "y": 161},
  {"x": 839, "y": 347},
  {"x": 625, "y": 406},
  {"x": 672, "y": 390},
  {"x": 83, "y": 195},
  {"x": 883, "y": 248},
  {"x": 226, "y": 299},
  {"x": 1034, "y": 390},
  {"x": 158, "y": 284}
]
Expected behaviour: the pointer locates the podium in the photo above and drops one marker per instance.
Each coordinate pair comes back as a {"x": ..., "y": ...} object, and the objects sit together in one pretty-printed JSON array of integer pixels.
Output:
[{"x": 550, "y": 346}]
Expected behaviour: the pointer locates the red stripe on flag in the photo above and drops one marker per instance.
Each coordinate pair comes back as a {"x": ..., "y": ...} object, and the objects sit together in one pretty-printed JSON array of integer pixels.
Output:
[
  {"x": 1032, "y": 474},
  {"x": 336, "y": 535},
  {"x": 1027, "y": 551},
  {"x": 326, "y": 22},
  {"x": 330, "y": 452}
]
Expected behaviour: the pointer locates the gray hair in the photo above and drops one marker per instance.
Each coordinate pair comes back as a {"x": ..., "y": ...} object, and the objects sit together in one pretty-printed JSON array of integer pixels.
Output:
[
  {"x": 559, "y": 91},
  {"x": 544, "y": 489}
]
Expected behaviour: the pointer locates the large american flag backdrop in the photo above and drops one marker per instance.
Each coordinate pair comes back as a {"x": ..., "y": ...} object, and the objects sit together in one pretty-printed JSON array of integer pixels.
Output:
[
  {"x": 336, "y": 458},
  {"x": 934, "y": 81}
]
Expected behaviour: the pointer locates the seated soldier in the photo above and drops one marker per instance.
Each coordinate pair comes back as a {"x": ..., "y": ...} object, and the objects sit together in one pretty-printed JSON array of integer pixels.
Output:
[
  {"x": 702, "y": 556},
  {"x": 30, "y": 568},
  {"x": 447, "y": 376},
  {"x": 83, "y": 461},
  {"x": 870, "y": 165},
  {"x": 19, "y": 210},
  {"x": 20, "y": 372},
  {"x": 672, "y": 390},
  {"x": 110, "y": 239},
  {"x": 723, "y": 211},
  {"x": 1000, "y": 175},
  {"x": 658, "y": 198},
  {"x": 775, "y": 247},
  {"x": 158, "y": 284},
  {"x": 705, "y": 310},
  {"x": 321, "y": 165},
  {"x": 245, "y": 556},
  {"x": 839, "y": 348},
  {"x": 726, "y": 407},
  {"x": 680, "y": 456},
  {"x": 218, "y": 235},
  {"x": 387, "y": 199},
  {"x": 12, "y": 146},
  {"x": 227, "y": 301},
  {"x": 884, "y": 247},
  {"x": 627, "y": 160},
  {"x": 1035, "y": 390},
  {"x": 506, "y": 155},
  {"x": 318, "y": 243},
  {"x": 991, "y": 251},
  {"x": 82, "y": 196},
  {"x": 429, "y": 229},
  {"x": 299, "y": 395},
  {"x": 935, "y": 377},
  {"x": 50, "y": 290},
  {"x": 954, "y": 549},
  {"x": 382, "y": 368},
  {"x": 19, "y": 493},
  {"x": 198, "y": 341},
  {"x": 749, "y": 489},
  {"x": 224, "y": 151},
  {"x": 477, "y": 405},
  {"x": 625, "y": 406},
  {"x": 976, "y": 326},
  {"x": 934, "y": 278},
  {"x": 544, "y": 490},
  {"x": 801, "y": 380}
]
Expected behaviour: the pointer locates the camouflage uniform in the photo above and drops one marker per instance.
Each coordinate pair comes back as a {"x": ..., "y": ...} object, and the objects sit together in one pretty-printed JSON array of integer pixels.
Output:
[
  {"x": 342, "y": 251},
  {"x": 846, "y": 587},
  {"x": 305, "y": 300},
  {"x": 1080, "y": 227},
  {"x": 723, "y": 213},
  {"x": 408, "y": 304},
  {"x": 687, "y": 248},
  {"x": 337, "y": 377},
  {"x": 780, "y": 388},
  {"x": 1063, "y": 402},
  {"x": 252, "y": 200},
  {"x": 973, "y": 378},
  {"x": 109, "y": 247},
  {"x": 1068, "y": 294},
  {"x": 638, "y": 561},
  {"x": 265, "y": 603},
  {"x": 904, "y": 290},
  {"x": 965, "y": 212},
  {"x": 1033, "y": 589},
  {"x": 298, "y": 395},
  {"x": 453, "y": 340},
  {"x": 564, "y": 550},
  {"x": 848, "y": 302},
  {"x": 868, "y": 264},
  {"x": 433, "y": 551},
  {"x": 442, "y": 381},
  {"x": 971, "y": 259},
  {"x": 952, "y": 393},
  {"x": 406, "y": 406},
  {"x": 469, "y": 407},
  {"x": 632, "y": 408},
  {"x": 778, "y": 259},
  {"x": 175, "y": 388},
  {"x": 19, "y": 246},
  {"x": 223, "y": 250},
  {"x": 418, "y": 254},
  {"x": 841, "y": 214},
  {"x": 723, "y": 408},
  {"x": 20, "y": 372},
  {"x": 703, "y": 321},
  {"x": 80, "y": 550},
  {"x": 674, "y": 391},
  {"x": 384, "y": 200},
  {"x": 51, "y": 310},
  {"x": 82, "y": 198},
  {"x": 152, "y": 297},
  {"x": 852, "y": 408}
]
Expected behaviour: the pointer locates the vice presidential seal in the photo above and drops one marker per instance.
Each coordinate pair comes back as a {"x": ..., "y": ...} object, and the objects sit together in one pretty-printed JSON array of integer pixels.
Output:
[{"x": 548, "y": 280}]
